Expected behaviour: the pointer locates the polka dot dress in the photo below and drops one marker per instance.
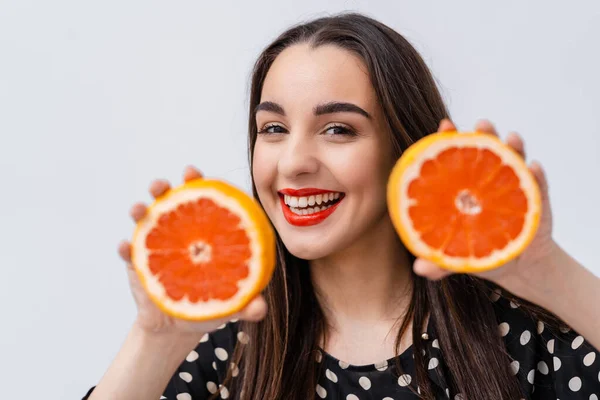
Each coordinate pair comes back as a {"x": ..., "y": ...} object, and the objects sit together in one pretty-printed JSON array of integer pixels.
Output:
[{"x": 548, "y": 365}]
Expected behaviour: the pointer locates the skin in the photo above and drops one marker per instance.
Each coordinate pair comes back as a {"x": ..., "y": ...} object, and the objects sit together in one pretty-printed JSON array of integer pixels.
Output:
[{"x": 359, "y": 268}]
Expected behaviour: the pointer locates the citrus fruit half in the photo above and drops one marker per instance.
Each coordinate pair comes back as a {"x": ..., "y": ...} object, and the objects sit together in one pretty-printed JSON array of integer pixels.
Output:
[
  {"x": 203, "y": 250},
  {"x": 465, "y": 201}
]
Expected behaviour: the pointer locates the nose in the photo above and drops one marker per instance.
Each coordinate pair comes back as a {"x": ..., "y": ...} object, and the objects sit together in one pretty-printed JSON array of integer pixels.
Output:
[{"x": 299, "y": 157}]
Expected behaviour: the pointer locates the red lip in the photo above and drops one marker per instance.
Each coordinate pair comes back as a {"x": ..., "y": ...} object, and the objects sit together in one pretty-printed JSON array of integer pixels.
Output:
[
  {"x": 307, "y": 220},
  {"x": 304, "y": 192}
]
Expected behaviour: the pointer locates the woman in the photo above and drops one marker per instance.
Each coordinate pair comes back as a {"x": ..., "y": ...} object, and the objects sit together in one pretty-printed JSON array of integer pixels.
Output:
[{"x": 351, "y": 315}]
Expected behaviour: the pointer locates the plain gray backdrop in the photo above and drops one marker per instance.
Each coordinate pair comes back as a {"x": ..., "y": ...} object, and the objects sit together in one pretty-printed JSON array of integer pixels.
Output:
[{"x": 99, "y": 98}]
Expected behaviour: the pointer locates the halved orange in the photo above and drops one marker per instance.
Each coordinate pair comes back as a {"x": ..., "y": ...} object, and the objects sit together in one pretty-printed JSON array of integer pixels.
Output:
[
  {"x": 465, "y": 201},
  {"x": 203, "y": 250}
]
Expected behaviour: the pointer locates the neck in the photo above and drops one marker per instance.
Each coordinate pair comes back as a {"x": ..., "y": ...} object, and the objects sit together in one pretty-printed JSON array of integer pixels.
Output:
[{"x": 367, "y": 283}]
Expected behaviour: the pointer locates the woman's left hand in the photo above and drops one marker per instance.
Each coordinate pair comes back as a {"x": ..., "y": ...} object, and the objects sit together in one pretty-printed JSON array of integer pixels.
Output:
[
  {"x": 544, "y": 273},
  {"x": 541, "y": 248}
]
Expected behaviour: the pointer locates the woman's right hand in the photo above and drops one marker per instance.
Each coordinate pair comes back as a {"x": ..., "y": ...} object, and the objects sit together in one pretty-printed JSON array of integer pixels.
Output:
[{"x": 150, "y": 318}]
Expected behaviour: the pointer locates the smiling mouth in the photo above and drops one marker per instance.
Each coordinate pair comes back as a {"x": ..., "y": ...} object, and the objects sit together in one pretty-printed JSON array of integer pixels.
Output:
[{"x": 307, "y": 207}]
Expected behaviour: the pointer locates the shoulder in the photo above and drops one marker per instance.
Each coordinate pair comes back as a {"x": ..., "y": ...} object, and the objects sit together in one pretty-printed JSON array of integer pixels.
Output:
[{"x": 551, "y": 360}]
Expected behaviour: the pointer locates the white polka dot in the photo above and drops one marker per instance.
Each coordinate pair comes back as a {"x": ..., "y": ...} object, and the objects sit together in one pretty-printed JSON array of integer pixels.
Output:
[
  {"x": 352, "y": 397},
  {"x": 211, "y": 387},
  {"x": 419, "y": 389},
  {"x": 550, "y": 346},
  {"x": 589, "y": 359},
  {"x": 365, "y": 382},
  {"x": 593, "y": 397},
  {"x": 525, "y": 337},
  {"x": 504, "y": 328},
  {"x": 234, "y": 370},
  {"x": 186, "y": 376},
  {"x": 331, "y": 376},
  {"x": 447, "y": 393},
  {"x": 381, "y": 366},
  {"x": 543, "y": 367},
  {"x": 204, "y": 338},
  {"x": 193, "y": 356},
  {"x": 404, "y": 380},
  {"x": 531, "y": 376},
  {"x": 184, "y": 396},
  {"x": 557, "y": 363},
  {"x": 578, "y": 341},
  {"x": 318, "y": 356},
  {"x": 387, "y": 398},
  {"x": 540, "y": 327},
  {"x": 243, "y": 337},
  {"x": 221, "y": 353},
  {"x": 434, "y": 362},
  {"x": 435, "y": 344},
  {"x": 343, "y": 365},
  {"x": 514, "y": 304},
  {"x": 496, "y": 293},
  {"x": 598, "y": 376},
  {"x": 575, "y": 384},
  {"x": 564, "y": 329},
  {"x": 221, "y": 326},
  {"x": 224, "y": 393},
  {"x": 321, "y": 391},
  {"x": 514, "y": 367},
  {"x": 214, "y": 365},
  {"x": 234, "y": 320}
]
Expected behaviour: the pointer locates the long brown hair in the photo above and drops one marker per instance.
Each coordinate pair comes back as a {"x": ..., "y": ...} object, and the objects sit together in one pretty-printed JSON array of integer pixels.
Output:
[{"x": 279, "y": 362}]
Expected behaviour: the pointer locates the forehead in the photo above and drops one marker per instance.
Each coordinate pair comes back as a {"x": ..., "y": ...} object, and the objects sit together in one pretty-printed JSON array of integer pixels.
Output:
[{"x": 304, "y": 75}]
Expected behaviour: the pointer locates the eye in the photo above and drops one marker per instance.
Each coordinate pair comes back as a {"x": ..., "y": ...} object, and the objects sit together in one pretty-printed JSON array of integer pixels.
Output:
[
  {"x": 335, "y": 130},
  {"x": 272, "y": 129}
]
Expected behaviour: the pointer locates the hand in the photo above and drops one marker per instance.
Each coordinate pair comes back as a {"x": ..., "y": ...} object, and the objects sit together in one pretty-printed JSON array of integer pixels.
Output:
[
  {"x": 150, "y": 318},
  {"x": 531, "y": 262}
]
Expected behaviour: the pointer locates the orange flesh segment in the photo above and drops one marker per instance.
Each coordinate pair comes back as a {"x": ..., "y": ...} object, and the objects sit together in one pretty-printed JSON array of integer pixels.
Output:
[
  {"x": 493, "y": 205},
  {"x": 199, "y": 251}
]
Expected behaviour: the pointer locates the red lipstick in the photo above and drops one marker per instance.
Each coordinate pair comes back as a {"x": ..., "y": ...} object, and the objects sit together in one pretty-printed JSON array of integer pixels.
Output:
[{"x": 311, "y": 219}]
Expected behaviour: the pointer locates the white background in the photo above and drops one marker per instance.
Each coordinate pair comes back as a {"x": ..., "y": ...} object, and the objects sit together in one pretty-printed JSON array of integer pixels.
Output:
[{"x": 98, "y": 99}]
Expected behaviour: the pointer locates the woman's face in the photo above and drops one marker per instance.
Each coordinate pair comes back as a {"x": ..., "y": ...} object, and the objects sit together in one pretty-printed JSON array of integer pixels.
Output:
[{"x": 322, "y": 157}]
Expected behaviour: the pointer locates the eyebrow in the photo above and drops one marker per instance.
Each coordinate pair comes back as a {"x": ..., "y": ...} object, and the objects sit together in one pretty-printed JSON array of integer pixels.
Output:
[{"x": 321, "y": 109}]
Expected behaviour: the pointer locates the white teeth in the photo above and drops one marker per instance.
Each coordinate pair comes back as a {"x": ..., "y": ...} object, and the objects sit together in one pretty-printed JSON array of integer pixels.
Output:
[
  {"x": 310, "y": 210},
  {"x": 311, "y": 201}
]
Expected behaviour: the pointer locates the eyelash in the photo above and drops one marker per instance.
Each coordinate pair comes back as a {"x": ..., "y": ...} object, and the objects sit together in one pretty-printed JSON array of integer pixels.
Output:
[{"x": 345, "y": 130}]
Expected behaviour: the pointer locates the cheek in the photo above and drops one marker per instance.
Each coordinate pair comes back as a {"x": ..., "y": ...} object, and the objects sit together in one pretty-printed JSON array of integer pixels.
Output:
[
  {"x": 363, "y": 168},
  {"x": 264, "y": 170}
]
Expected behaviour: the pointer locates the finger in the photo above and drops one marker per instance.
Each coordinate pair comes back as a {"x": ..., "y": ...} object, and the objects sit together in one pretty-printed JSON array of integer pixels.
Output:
[
  {"x": 486, "y": 126},
  {"x": 159, "y": 187},
  {"x": 138, "y": 211},
  {"x": 255, "y": 310},
  {"x": 446, "y": 126},
  {"x": 125, "y": 251},
  {"x": 429, "y": 270},
  {"x": 515, "y": 141},
  {"x": 191, "y": 173},
  {"x": 540, "y": 176}
]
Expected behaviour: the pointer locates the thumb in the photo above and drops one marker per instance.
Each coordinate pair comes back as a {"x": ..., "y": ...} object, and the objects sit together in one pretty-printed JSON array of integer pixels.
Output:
[
  {"x": 429, "y": 270},
  {"x": 255, "y": 310}
]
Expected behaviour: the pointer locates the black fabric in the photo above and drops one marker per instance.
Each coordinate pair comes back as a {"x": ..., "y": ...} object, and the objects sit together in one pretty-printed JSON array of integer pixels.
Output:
[{"x": 548, "y": 365}]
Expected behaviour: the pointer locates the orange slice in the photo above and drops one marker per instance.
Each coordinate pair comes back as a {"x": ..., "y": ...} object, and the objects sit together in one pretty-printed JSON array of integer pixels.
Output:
[
  {"x": 203, "y": 250},
  {"x": 465, "y": 201}
]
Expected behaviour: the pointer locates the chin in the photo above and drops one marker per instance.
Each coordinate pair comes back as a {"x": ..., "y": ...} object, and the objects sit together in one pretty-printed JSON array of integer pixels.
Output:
[{"x": 313, "y": 246}]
